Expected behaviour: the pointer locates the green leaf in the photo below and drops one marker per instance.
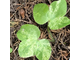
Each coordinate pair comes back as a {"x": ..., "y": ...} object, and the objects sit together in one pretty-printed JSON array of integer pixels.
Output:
[
  {"x": 40, "y": 48},
  {"x": 40, "y": 13},
  {"x": 28, "y": 31},
  {"x": 43, "y": 51},
  {"x": 27, "y": 48},
  {"x": 57, "y": 9},
  {"x": 10, "y": 50},
  {"x": 58, "y": 23}
]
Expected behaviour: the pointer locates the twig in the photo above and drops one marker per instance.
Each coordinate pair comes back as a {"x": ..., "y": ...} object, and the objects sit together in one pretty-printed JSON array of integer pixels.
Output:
[
  {"x": 18, "y": 20},
  {"x": 49, "y": 1},
  {"x": 33, "y": 57},
  {"x": 68, "y": 10},
  {"x": 15, "y": 49}
]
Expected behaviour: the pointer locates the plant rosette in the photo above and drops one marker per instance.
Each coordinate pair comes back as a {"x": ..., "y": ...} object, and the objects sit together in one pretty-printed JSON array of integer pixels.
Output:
[
  {"x": 31, "y": 45},
  {"x": 54, "y": 14}
]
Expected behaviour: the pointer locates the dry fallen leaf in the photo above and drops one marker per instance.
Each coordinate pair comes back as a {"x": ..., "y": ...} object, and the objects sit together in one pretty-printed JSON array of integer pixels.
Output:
[{"x": 22, "y": 13}]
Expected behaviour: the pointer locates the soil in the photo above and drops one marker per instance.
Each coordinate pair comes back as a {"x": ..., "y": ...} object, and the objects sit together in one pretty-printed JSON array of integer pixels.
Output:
[{"x": 21, "y": 12}]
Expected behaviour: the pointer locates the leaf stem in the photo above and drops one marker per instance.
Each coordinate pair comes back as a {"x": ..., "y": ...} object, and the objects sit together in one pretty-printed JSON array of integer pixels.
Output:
[{"x": 50, "y": 35}]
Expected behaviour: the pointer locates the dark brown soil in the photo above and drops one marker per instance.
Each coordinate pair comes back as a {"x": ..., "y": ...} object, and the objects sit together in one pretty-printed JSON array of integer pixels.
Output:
[{"x": 21, "y": 12}]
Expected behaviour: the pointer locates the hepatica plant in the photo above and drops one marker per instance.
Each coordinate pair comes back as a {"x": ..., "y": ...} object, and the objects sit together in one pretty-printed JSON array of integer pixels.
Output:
[
  {"x": 31, "y": 45},
  {"x": 29, "y": 34},
  {"x": 54, "y": 14}
]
